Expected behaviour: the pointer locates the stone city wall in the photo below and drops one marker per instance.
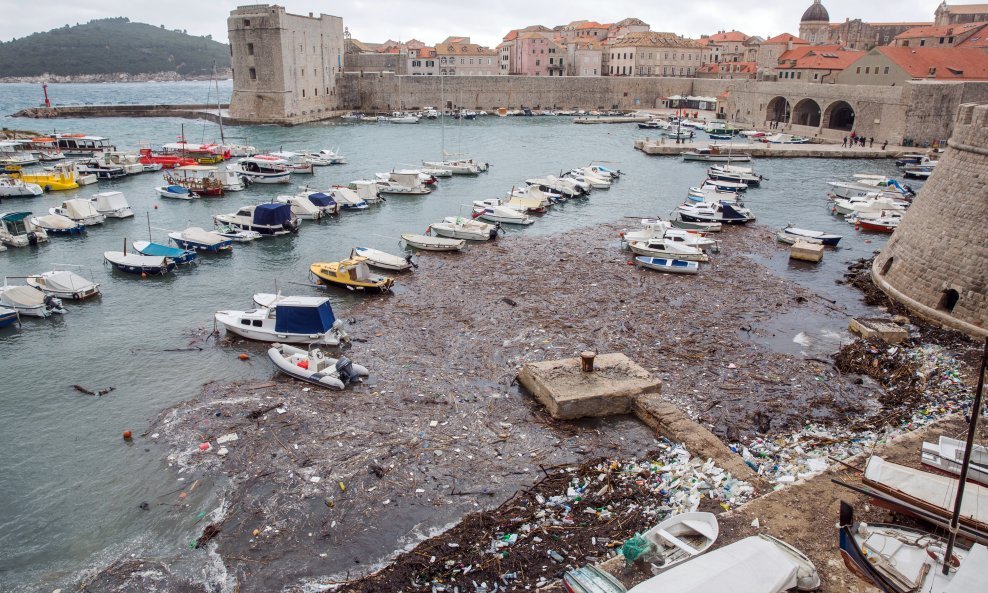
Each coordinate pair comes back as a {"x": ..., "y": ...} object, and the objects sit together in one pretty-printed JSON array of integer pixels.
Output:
[{"x": 936, "y": 262}]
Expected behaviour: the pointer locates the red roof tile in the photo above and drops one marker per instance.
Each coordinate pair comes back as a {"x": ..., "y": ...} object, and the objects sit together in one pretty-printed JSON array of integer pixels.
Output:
[
  {"x": 942, "y": 31},
  {"x": 948, "y": 63},
  {"x": 799, "y": 52},
  {"x": 826, "y": 60},
  {"x": 728, "y": 36},
  {"x": 784, "y": 39}
]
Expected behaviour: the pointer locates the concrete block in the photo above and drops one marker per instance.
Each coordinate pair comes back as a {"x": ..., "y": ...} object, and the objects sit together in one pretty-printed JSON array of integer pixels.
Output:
[
  {"x": 568, "y": 393},
  {"x": 806, "y": 252},
  {"x": 884, "y": 329}
]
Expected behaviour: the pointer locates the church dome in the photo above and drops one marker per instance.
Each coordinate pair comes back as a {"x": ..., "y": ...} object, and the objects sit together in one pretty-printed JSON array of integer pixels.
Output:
[{"x": 816, "y": 12}]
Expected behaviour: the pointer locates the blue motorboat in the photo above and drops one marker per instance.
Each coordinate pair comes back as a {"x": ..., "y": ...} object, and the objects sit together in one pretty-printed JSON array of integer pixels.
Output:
[
  {"x": 176, "y": 254},
  {"x": 199, "y": 239},
  {"x": 56, "y": 224}
]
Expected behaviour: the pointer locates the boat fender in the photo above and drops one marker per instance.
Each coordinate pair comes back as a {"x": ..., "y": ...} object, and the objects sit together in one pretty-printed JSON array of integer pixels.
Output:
[{"x": 303, "y": 364}]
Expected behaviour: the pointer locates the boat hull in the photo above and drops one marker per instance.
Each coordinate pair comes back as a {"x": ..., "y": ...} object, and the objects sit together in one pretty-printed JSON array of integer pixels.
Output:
[{"x": 673, "y": 266}]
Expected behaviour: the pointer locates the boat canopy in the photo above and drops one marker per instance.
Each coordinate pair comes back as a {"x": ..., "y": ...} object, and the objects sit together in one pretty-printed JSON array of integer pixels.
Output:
[
  {"x": 56, "y": 221},
  {"x": 14, "y": 216},
  {"x": 23, "y": 296},
  {"x": 303, "y": 315},
  {"x": 177, "y": 189},
  {"x": 111, "y": 200},
  {"x": 200, "y": 235},
  {"x": 322, "y": 200},
  {"x": 65, "y": 281},
  {"x": 79, "y": 208},
  {"x": 753, "y": 565},
  {"x": 272, "y": 214}
]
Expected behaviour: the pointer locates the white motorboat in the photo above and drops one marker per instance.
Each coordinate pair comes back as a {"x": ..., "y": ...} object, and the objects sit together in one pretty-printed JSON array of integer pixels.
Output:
[
  {"x": 56, "y": 224},
  {"x": 782, "y": 138},
  {"x": 130, "y": 163},
  {"x": 234, "y": 234},
  {"x": 734, "y": 174},
  {"x": 457, "y": 227},
  {"x": 346, "y": 198},
  {"x": 326, "y": 157},
  {"x": 29, "y": 302},
  {"x": 366, "y": 189},
  {"x": 458, "y": 166},
  {"x": 296, "y": 163},
  {"x": 711, "y": 194},
  {"x": 869, "y": 185},
  {"x": 315, "y": 367},
  {"x": 530, "y": 199},
  {"x": 730, "y": 186},
  {"x": 64, "y": 285},
  {"x": 100, "y": 168},
  {"x": 717, "y": 154},
  {"x": 723, "y": 212},
  {"x": 305, "y": 209},
  {"x": 15, "y": 153},
  {"x": 267, "y": 219},
  {"x": 667, "y": 248},
  {"x": 176, "y": 192},
  {"x": 18, "y": 230},
  {"x": 111, "y": 204},
  {"x": 682, "y": 536},
  {"x": 438, "y": 172},
  {"x": 14, "y": 188},
  {"x": 287, "y": 319},
  {"x": 868, "y": 204},
  {"x": 199, "y": 239},
  {"x": 590, "y": 179},
  {"x": 791, "y": 235},
  {"x": 757, "y": 564},
  {"x": 492, "y": 212},
  {"x": 402, "y": 118},
  {"x": 393, "y": 188},
  {"x": 264, "y": 169},
  {"x": 80, "y": 210},
  {"x": 427, "y": 243},
  {"x": 383, "y": 260},
  {"x": 661, "y": 229}
]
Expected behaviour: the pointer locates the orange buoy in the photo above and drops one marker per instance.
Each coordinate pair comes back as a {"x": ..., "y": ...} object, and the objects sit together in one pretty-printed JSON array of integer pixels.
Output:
[
  {"x": 127, "y": 435},
  {"x": 243, "y": 356},
  {"x": 144, "y": 275}
]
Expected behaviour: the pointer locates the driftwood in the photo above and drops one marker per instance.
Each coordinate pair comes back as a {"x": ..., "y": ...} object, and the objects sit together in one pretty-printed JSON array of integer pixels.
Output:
[
  {"x": 211, "y": 531},
  {"x": 97, "y": 393},
  {"x": 258, "y": 413}
]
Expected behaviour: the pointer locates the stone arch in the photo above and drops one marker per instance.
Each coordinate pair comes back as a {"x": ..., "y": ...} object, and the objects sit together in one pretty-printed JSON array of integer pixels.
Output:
[
  {"x": 806, "y": 113},
  {"x": 839, "y": 115},
  {"x": 778, "y": 110},
  {"x": 948, "y": 300}
]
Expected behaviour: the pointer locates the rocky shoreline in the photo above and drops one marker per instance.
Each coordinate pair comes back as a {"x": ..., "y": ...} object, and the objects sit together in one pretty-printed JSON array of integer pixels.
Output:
[
  {"x": 326, "y": 487},
  {"x": 170, "y": 76}
]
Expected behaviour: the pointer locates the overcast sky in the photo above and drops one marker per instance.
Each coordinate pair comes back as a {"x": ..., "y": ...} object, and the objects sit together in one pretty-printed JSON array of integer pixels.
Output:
[{"x": 433, "y": 20}]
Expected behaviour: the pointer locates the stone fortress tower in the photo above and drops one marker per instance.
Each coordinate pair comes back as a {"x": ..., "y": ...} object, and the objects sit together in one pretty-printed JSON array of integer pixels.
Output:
[
  {"x": 815, "y": 24},
  {"x": 936, "y": 262},
  {"x": 285, "y": 66}
]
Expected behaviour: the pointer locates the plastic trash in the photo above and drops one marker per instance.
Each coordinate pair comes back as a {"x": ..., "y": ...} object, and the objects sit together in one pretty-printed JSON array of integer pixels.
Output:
[{"x": 635, "y": 548}]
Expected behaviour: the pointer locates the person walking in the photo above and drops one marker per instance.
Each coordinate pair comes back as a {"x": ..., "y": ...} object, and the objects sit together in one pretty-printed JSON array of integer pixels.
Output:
[
  {"x": 871, "y": 142},
  {"x": 844, "y": 145},
  {"x": 884, "y": 144}
]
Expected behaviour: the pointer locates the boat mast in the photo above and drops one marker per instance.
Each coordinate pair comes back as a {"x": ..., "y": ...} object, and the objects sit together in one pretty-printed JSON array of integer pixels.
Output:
[
  {"x": 442, "y": 113},
  {"x": 219, "y": 110},
  {"x": 972, "y": 430}
]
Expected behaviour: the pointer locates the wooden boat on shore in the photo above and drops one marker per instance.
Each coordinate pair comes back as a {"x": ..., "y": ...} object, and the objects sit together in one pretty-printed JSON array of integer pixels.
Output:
[
  {"x": 312, "y": 366},
  {"x": 427, "y": 243},
  {"x": 352, "y": 273}
]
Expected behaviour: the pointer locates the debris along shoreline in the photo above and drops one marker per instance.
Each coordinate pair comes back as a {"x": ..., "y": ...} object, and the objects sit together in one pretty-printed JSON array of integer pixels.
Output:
[{"x": 328, "y": 486}]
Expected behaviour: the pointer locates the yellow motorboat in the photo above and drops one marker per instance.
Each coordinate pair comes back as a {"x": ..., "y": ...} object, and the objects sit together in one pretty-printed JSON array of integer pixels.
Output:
[
  {"x": 58, "y": 178},
  {"x": 353, "y": 273}
]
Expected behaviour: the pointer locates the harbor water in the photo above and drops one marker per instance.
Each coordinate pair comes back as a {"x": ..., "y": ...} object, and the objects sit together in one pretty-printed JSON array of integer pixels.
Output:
[{"x": 72, "y": 488}]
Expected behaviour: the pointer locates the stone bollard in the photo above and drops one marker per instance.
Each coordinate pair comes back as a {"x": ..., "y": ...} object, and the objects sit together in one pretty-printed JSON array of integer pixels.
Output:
[{"x": 586, "y": 361}]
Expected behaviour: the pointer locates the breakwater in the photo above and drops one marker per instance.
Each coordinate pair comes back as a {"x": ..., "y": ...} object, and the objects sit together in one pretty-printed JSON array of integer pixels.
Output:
[{"x": 192, "y": 111}]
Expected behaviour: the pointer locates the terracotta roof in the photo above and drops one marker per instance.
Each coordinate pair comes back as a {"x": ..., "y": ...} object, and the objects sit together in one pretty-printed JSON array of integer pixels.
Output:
[
  {"x": 730, "y": 68},
  {"x": 826, "y": 60},
  {"x": 652, "y": 39},
  {"x": 941, "y": 31},
  {"x": 799, "y": 52},
  {"x": 784, "y": 39},
  {"x": 950, "y": 63},
  {"x": 592, "y": 25},
  {"x": 511, "y": 36},
  {"x": 728, "y": 36},
  {"x": 979, "y": 39}
]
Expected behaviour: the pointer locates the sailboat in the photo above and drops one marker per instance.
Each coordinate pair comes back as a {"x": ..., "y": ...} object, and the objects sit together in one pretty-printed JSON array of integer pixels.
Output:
[
  {"x": 456, "y": 166},
  {"x": 900, "y": 559}
]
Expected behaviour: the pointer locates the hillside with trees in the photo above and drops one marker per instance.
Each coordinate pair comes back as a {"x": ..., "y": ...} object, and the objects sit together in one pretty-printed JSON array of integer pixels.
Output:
[{"x": 108, "y": 46}]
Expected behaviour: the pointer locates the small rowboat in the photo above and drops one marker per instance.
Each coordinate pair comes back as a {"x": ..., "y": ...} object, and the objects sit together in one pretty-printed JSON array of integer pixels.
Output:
[
  {"x": 882, "y": 224},
  {"x": 792, "y": 234},
  {"x": 427, "y": 243},
  {"x": 662, "y": 264},
  {"x": 139, "y": 264},
  {"x": 315, "y": 367},
  {"x": 176, "y": 192},
  {"x": 680, "y": 538},
  {"x": 383, "y": 260}
]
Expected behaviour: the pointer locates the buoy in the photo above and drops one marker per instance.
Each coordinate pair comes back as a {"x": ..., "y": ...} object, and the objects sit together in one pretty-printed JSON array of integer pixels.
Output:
[
  {"x": 155, "y": 206},
  {"x": 127, "y": 435},
  {"x": 243, "y": 356},
  {"x": 144, "y": 275},
  {"x": 204, "y": 446}
]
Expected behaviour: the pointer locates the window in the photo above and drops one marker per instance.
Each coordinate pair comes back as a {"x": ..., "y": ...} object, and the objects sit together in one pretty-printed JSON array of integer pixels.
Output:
[
  {"x": 538, "y": 62},
  {"x": 933, "y": 71},
  {"x": 252, "y": 73},
  {"x": 922, "y": 42},
  {"x": 941, "y": 41},
  {"x": 303, "y": 93},
  {"x": 552, "y": 60},
  {"x": 462, "y": 61},
  {"x": 859, "y": 70},
  {"x": 868, "y": 70},
  {"x": 799, "y": 75},
  {"x": 886, "y": 70},
  {"x": 246, "y": 22},
  {"x": 815, "y": 76},
  {"x": 250, "y": 49},
  {"x": 950, "y": 40}
]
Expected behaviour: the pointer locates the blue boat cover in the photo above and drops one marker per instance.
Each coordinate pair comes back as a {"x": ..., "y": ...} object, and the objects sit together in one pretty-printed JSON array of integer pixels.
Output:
[
  {"x": 177, "y": 189},
  {"x": 730, "y": 213},
  {"x": 272, "y": 214},
  {"x": 298, "y": 319},
  {"x": 322, "y": 200},
  {"x": 15, "y": 216},
  {"x": 159, "y": 250}
]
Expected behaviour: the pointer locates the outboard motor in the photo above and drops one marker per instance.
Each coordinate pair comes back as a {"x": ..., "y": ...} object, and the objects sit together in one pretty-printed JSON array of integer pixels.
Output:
[
  {"x": 32, "y": 238},
  {"x": 408, "y": 259},
  {"x": 53, "y": 304},
  {"x": 344, "y": 368}
]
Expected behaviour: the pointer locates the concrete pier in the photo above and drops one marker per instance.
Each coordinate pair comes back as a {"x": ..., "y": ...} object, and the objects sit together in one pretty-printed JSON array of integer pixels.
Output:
[
  {"x": 761, "y": 150},
  {"x": 191, "y": 111}
]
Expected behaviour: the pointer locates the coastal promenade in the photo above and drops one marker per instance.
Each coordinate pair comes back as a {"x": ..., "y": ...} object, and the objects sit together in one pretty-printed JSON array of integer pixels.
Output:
[{"x": 657, "y": 147}]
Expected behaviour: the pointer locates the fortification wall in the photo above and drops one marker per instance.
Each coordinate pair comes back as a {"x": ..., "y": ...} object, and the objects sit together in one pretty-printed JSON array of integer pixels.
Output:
[
  {"x": 929, "y": 107},
  {"x": 936, "y": 262}
]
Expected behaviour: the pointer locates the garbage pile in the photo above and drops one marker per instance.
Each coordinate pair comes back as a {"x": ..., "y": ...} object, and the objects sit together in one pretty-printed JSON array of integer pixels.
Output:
[
  {"x": 923, "y": 383},
  {"x": 569, "y": 518}
]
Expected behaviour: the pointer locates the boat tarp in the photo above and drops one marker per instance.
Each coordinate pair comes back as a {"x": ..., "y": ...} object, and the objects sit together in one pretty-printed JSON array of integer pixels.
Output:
[
  {"x": 201, "y": 235},
  {"x": 971, "y": 576},
  {"x": 752, "y": 565},
  {"x": 934, "y": 489},
  {"x": 272, "y": 214},
  {"x": 133, "y": 259},
  {"x": 177, "y": 189},
  {"x": 345, "y": 195},
  {"x": 22, "y": 296},
  {"x": 112, "y": 200},
  {"x": 297, "y": 319},
  {"x": 159, "y": 250},
  {"x": 322, "y": 200},
  {"x": 79, "y": 208},
  {"x": 56, "y": 221},
  {"x": 66, "y": 281},
  {"x": 15, "y": 216}
]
